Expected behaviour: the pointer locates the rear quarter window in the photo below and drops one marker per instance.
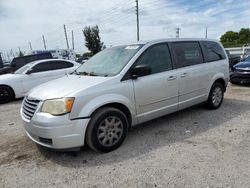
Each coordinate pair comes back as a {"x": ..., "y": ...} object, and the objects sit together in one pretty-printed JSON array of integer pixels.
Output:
[
  {"x": 61, "y": 65},
  {"x": 212, "y": 51}
]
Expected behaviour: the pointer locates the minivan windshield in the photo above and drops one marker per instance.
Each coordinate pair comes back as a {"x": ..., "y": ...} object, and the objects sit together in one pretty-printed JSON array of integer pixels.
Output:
[{"x": 108, "y": 62}]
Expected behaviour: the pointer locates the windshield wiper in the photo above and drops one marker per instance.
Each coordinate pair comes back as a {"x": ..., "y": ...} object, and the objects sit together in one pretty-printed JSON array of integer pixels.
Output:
[
  {"x": 74, "y": 72},
  {"x": 87, "y": 73}
]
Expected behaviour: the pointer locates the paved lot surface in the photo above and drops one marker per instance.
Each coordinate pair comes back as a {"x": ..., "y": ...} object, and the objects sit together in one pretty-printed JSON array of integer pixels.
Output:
[{"x": 192, "y": 148}]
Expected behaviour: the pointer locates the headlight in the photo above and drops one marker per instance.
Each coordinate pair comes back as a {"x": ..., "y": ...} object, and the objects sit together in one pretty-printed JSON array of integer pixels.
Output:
[{"x": 58, "y": 106}]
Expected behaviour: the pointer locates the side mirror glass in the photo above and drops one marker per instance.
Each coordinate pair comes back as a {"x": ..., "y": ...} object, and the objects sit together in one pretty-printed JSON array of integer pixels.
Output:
[{"x": 140, "y": 70}]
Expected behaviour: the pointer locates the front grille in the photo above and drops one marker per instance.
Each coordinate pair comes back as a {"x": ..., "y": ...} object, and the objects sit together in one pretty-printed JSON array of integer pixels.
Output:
[
  {"x": 243, "y": 70},
  {"x": 45, "y": 140},
  {"x": 29, "y": 107}
]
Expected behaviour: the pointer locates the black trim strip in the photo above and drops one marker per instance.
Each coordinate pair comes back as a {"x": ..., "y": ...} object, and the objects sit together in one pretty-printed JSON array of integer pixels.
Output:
[{"x": 80, "y": 118}]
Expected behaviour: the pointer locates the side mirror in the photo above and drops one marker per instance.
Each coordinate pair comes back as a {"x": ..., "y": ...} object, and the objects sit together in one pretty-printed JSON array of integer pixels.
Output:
[
  {"x": 140, "y": 70},
  {"x": 29, "y": 71},
  {"x": 13, "y": 65}
]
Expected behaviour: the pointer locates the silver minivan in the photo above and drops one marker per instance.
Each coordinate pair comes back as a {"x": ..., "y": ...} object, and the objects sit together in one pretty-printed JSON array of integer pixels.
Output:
[{"x": 123, "y": 86}]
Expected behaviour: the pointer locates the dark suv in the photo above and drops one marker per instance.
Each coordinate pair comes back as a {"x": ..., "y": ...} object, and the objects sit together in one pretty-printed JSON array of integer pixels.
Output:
[{"x": 19, "y": 62}]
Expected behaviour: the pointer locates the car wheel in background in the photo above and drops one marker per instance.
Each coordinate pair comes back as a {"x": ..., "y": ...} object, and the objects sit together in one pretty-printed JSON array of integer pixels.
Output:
[
  {"x": 6, "y": 94},
  {"x": 107, "y": 129},
  {"x": 216, "y": 96}
]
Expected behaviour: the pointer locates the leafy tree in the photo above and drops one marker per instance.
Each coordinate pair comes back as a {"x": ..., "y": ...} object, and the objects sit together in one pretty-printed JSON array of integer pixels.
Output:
[
  {"x": 244, "y": 36},
  {"x": 236, "y": 39},
  {"x": 87, "y": 54},
  {"x": 93, "y": 39}
]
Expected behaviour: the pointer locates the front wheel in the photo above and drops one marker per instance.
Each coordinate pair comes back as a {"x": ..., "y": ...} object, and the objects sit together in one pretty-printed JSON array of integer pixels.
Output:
[
  {"x": 216, "y": 96},
  {"x": 107, "y": 129}
]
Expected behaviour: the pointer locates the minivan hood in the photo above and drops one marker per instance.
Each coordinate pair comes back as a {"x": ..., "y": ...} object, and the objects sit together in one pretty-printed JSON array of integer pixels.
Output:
[{"x": 64, "y": 86}]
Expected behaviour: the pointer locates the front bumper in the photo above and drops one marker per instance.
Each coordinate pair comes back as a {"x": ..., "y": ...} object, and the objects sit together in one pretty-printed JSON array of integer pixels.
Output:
[
  {"x": 240, "y": 77},
  {"x": 57, "y": 132}
]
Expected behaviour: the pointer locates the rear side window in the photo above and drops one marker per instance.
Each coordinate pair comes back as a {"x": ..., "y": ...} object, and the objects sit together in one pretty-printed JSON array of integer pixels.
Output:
[
  {"x": 212, "y": 51},
  {"x": 157, "y": 58},
  {"x": 187, "y": 53},
  {"x": 41, "y": 67},
  {"x": 60, "y": 65}
]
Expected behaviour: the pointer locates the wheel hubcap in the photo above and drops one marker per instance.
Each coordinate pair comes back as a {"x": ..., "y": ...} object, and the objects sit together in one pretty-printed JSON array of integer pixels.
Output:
[
  {"x": 110, "y": 131},
  {"x": 4, "y": 95},
  {"x": 217, "y": 96}
]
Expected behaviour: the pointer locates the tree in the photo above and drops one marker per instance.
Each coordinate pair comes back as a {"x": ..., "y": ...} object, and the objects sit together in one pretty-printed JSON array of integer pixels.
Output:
[
  {"x": 236, "y": 39},
  {"x": 92, "y": 39},
  {"x": 244, "y": 36}
]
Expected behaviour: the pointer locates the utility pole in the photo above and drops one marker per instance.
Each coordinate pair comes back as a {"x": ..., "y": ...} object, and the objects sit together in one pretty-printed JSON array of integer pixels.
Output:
[
  {"x": 44, "y": 43},
  {"x": 137, "y": 19},
  {"x": 178, "y": 32},
  {"x": 30, "y": 46},
  {"x": 206, "y": 33},
  {"x": 11, "y": 52},
  {"x": 73, "y": 42},
  {"x": 66, "y": 37}
]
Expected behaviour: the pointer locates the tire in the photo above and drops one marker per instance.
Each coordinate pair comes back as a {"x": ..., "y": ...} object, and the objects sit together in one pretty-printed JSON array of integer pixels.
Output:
[
  {"x": 216, "y": 96},
  {"x": 107, "y": 129},
  {"x": 6, "y": 94}
]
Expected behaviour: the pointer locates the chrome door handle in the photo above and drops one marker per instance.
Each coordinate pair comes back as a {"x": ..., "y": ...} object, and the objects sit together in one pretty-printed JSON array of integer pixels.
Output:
[
  {"x": 172, "y": 78},
  {"x": 184, "y": 75}
]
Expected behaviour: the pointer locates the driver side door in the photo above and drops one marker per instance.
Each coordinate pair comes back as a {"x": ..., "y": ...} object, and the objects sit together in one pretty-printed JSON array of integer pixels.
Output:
[{"x": 156, "y": 94}]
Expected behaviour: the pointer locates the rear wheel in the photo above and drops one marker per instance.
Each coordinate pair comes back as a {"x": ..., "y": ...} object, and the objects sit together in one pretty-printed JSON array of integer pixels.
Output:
[
  {"x": 107, "y": 129},
  {"x": 6, "y": 94},
  {"x": 216, "y": 96}
]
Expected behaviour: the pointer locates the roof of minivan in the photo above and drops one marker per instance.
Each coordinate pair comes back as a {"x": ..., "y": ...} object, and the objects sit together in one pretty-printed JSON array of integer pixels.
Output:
[{"x": 174, "y": 40}]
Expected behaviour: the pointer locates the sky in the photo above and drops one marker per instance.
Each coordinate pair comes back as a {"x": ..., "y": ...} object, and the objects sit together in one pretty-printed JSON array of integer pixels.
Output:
[{"x": 24, "y": 21}]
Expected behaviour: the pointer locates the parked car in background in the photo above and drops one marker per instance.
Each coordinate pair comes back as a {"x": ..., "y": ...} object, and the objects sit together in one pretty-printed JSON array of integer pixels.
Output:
[
  {"x": 33, "y": 74},
  {"x": 18, "y": 62},
  {"x": 240, "y": 73},
  {"x": 68, "y": 54},
  {"x": 233, "y": 59},
  {"x": 6, "y": 64},
  {"x": 123, "y": 86},
  {"x": 82, "y": 59}
]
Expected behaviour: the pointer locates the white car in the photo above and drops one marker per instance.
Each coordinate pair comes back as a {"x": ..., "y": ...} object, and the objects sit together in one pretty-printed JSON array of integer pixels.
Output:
[
  {"x": 17, "y": 85},
  {"x": 124, "y": 86}
]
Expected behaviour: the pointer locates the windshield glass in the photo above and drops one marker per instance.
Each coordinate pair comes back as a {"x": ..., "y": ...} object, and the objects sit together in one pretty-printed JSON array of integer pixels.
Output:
[
  {"x": 108, "y": 62},
  {"x": 23, "y": 69},
  {"x": 248, "y": 58}
]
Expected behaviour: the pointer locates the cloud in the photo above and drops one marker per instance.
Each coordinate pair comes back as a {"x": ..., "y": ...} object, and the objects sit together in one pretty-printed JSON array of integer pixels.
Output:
[{"x": 27, "y": 20}]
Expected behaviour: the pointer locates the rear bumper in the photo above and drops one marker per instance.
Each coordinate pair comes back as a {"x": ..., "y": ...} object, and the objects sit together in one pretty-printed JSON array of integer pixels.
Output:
[
  {"x": 57, "y": 132},
  {"x": 240, "y": 77}
]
